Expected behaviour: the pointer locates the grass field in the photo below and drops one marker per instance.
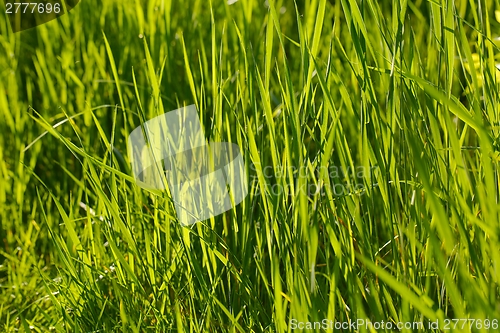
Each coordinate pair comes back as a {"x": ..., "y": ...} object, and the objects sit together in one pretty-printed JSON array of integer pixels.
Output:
[{"x": 370, "y": 135}]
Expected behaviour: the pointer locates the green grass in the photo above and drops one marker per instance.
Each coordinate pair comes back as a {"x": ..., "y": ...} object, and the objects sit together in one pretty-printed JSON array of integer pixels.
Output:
[{"x": 369, "y": 130}]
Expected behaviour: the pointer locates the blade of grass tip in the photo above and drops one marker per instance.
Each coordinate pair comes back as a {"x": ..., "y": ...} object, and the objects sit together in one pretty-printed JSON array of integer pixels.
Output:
[
  {"x": 475, "y": 122},
  {"x": 287, "y": 158},
  {"x": 269, "y": 118},
  {"x": 70, "y": 227},
  {"x": 318, "y": 28},
  {"x": 113, "y": 70},
  {"x": 153, "y": 79},
  {"x": 150, "y": 263},
  {"x": 301, "y": 181},
  {"x": 309, "y": 7},
  {"x": 439, "y": 215},
  {"x": 357, "y": 17},
  {"x": 455, "y": 106},
  {"x": 178, "y": 316},
  {"x": 452, "y": 290},
  {"x": 214, "y": 70},
  {"x": 54, "y": 127},
  {"x": 139, "y": 15},
  {"x": 123, "y": 316},
  {"x": 113, "y": 127},
  {"x": 302, "y": 39},
  {"x": 138, "y": 96},
  {"x": 100, "y": 131},
  {"x": 230, "y": 316},
  {"x": 122, "y": 262},
  {"x": 218, "y": 103},
  {"x": 401, "y": 289},
  {"x": 40, "y": 63},
  {"x": 189, "y": 73},
  {"x": 469, "y": 65},
  {"x": 65, "y": 258},
  {"x": 27, "y": 328},
  {"x": 77, "y": 151},
  {"x": 268, "y": 50},
  {"x": 277, "y": 25},
  {"x": 290, "y": 105},
  {"x": 162, "y": 68},
  {"x": 255, "y": 157},
  {"x": 328, "y": 149},
  {"x": 449, "y": 35}
]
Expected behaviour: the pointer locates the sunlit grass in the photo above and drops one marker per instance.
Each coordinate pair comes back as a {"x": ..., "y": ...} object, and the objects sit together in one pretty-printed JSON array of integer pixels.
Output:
[{"x": 371, "y": 149}]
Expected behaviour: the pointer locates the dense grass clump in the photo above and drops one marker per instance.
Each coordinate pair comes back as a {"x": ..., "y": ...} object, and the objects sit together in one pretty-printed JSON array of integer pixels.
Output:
[{"x": 370, "y": 135}]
